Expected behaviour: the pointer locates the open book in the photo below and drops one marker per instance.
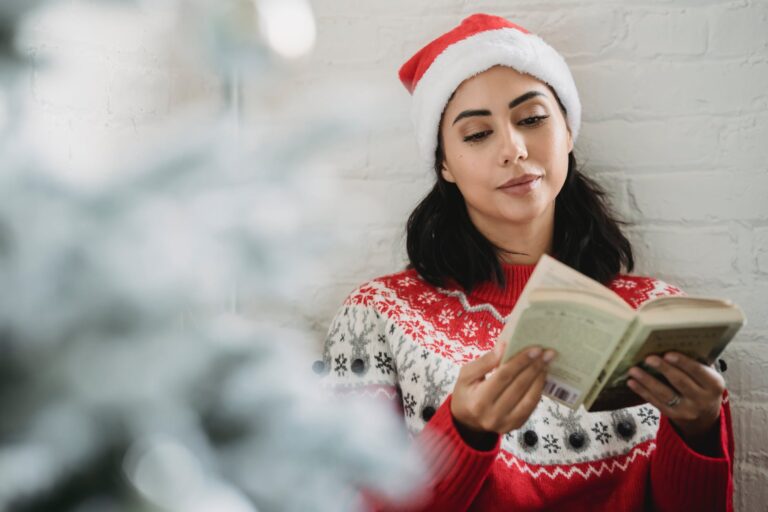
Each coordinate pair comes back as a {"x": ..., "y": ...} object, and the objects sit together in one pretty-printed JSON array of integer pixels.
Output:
[{"x": 599, "y": 337}]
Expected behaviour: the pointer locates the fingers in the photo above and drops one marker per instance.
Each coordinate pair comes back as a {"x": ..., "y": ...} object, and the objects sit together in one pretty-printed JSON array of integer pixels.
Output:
[
  {"x": 706, "y": 377},
  {"x": 680, "y": 380},
  {"x": 475, "y": 396},
  {"x": 698, "y": 389},
  {"x": 510, "y": 393},
  {"x": 508, "y": 371},
  {"x": 477, "y": 369},
  {"x": 526, "y": 405},
  {"x": 660, "y": 402},
  {"x": 503, "y": 377},
  {"x": 686, "y": 376},
  {"x": 653, "y": 390},
  {"x": 516, "y": 399}
]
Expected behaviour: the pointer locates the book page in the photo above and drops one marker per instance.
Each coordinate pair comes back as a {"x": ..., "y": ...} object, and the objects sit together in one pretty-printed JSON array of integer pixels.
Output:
[
  {"x": 551, "y": 273},
  {"x": 616, "y": 356},
  {"x": 703, "y": 341},
  {"x": 583, "y": 338},
  {"x": 581, "y": 297},
  {"x": 678, "y": 301}
]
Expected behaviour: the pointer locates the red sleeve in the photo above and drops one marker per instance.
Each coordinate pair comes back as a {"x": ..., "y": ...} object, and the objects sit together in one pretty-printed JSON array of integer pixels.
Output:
[
  {"x": 458, "y": 470},
  {"x": 682, "y": 479}
]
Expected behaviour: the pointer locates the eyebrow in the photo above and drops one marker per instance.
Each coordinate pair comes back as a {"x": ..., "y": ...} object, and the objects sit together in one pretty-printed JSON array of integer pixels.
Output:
[{"x": 512, "y": 104}]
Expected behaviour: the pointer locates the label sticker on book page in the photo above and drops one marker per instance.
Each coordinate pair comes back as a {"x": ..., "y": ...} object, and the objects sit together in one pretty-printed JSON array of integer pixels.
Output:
[{"x": 559, "y": 391}]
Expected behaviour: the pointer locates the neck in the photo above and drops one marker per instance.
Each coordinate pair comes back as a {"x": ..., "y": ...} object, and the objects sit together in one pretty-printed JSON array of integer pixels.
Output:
[
  {"x": 523, "y": 243},
  {"x": 515, "y": 277}
]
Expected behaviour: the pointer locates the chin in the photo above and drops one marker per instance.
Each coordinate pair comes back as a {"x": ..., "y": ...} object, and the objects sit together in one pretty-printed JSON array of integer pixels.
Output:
[{"x": 524, "y": 215}]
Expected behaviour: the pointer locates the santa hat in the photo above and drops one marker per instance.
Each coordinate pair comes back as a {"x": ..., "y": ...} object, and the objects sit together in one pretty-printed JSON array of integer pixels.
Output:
[{"x": 480, "y": 42}]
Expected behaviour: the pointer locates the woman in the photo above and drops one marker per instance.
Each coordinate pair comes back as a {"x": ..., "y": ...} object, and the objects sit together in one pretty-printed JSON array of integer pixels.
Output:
[{"x": 497, "y": 113}]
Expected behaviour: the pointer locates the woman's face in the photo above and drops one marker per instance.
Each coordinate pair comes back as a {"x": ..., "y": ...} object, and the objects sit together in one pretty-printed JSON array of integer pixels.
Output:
[{"x": 502, "y": 125}]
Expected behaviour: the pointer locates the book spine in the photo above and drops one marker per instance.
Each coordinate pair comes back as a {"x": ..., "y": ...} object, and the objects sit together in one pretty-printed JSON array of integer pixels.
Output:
[{"x": 618, "y": 354}]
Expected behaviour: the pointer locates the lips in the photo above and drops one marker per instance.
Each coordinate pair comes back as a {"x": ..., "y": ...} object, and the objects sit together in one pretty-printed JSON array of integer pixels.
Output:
[{"x": 526, "y": 178}]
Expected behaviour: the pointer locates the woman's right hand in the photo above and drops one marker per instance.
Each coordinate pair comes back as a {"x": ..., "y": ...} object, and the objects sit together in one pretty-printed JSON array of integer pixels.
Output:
[{"x": 502, "y": 401}]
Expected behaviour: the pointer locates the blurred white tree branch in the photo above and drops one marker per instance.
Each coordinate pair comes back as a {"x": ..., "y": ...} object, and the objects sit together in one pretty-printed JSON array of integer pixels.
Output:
[{"x": 121, "y": 386}]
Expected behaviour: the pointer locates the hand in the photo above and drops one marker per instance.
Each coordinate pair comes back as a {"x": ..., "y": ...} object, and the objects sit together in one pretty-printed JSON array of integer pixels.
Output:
[
  {"x": 699, "y": 388},
  {"x": 503, "y": 400}
]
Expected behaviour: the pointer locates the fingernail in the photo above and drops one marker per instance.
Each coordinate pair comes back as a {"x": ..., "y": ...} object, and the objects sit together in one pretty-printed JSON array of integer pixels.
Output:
[
  {"x": 534, "y": 352},
  {"x": 548, "y": 356},
  {"x": 652, "y": 361},
  {"x": 672, "y": 358}
]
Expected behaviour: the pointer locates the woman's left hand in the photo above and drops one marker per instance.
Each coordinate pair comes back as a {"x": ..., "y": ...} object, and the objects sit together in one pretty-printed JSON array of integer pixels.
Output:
[{"x": 693, "y": 403}]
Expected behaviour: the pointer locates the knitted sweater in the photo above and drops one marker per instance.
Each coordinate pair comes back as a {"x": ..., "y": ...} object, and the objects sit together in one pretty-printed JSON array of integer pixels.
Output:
[{"x": 400, "y": 338}]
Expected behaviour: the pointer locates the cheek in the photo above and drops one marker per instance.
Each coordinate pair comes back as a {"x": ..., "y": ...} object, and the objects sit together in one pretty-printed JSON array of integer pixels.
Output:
[
  {"x": 554, "y": 158},
  {"x": 556, "y": 177}
]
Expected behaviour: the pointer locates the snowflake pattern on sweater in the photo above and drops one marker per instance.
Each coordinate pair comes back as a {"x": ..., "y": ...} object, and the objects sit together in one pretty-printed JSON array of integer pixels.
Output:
[
  {"x": 408, "y": 340},
  {"x": 401, "y": 322}
]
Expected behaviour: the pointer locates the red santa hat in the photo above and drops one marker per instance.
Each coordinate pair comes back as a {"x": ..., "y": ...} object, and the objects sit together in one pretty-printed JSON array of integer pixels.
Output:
[{"x": 480, "y": 42}]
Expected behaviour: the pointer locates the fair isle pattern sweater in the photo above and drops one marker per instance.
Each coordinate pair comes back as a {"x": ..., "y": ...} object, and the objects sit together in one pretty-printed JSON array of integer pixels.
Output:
[{"x": 400, "y": 338}]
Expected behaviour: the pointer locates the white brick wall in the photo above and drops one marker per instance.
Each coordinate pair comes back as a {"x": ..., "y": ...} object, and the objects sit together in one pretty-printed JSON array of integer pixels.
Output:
[
  {"x": 103, "y": 75},
  {"x": 675, "y": 97}
]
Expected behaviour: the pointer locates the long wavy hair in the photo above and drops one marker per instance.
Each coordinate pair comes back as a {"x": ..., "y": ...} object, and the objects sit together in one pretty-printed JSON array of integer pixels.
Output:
[{"x": 443, "y": 243}]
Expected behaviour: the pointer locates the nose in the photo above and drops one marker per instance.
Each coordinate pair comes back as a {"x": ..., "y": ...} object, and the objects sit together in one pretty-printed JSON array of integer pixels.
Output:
[{"x": 513, "y": 148}]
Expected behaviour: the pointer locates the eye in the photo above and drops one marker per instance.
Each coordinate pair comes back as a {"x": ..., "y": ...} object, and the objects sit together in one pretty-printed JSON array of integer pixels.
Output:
[
  {"x": 476, "y": 137},
  {"x": 533, "y": 120}
]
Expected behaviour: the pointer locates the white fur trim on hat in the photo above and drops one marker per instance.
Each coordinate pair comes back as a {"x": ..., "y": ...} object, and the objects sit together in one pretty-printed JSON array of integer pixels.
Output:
[{"x": 527, "y": 53}]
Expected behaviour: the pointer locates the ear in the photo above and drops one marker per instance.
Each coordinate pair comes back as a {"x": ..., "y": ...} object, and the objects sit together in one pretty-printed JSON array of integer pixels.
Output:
[
  {"x": 570, "y": 141},
  {"x": 447, "y": 174}
]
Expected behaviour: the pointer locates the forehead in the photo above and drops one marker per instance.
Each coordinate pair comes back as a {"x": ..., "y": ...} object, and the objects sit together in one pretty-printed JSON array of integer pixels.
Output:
[{"x": 499, "y": 84}]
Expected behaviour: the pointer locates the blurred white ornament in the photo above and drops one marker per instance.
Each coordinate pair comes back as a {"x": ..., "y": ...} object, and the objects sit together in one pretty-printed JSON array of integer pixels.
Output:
[{"x": 288, "y": 26}]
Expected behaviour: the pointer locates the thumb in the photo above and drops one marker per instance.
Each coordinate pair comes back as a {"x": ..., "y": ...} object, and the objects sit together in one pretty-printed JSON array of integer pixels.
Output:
[{"x": 477, "y": 369}]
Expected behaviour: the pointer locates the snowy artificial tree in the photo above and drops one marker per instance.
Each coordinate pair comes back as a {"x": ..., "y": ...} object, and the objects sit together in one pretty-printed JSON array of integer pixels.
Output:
[{"x": 126, "y": 382}]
